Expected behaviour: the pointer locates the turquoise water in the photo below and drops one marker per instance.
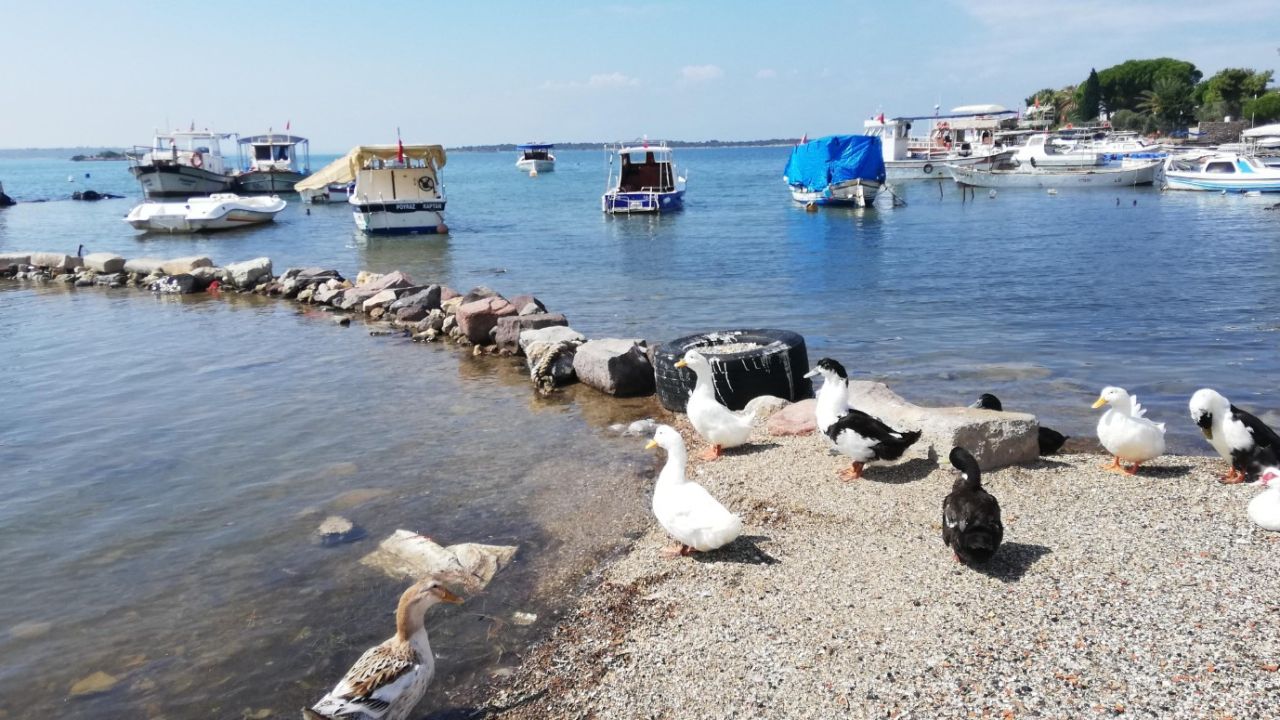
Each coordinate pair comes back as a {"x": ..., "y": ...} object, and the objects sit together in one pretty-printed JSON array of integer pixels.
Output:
[{"x": 166, "y": 459}]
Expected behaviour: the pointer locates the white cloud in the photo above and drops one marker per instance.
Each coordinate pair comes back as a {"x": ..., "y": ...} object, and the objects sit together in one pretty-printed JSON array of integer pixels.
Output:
[
  {"x": 766, "y": 74},
  {"x": 700, "y": 73},
  {"x": 611, "y": 80}
]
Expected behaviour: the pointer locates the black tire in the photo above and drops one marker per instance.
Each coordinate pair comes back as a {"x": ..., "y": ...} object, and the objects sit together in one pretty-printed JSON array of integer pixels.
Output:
[
  {"x": 776, "y": 368},
  {"x": 928, "y": 168}
]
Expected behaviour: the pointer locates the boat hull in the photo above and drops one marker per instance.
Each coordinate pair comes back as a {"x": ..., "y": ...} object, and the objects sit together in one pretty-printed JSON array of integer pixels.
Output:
[
  {"x": 268, "y": 181},
  {"x": 642, "y": 202},
  {"x": 854, "y": 193},
  {"x": 400, "y": 218},
  {"x": 935, "y": 168},
  {"x": 1175, "y": 180},
  {"x": 179, "y": 180},
  {"x": 1095, "y": 178},
  {"x": 541, "y": 166}
]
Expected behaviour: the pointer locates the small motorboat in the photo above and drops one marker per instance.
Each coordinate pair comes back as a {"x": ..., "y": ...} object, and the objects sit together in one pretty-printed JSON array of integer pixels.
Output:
[
  {"x": 645, "y": 180},
  {"x": 398, "y": 189},
  {"x": 1221, "y": 172},
  {"x": 535, "y": 158},
  {"x": 836, "y": 170},
  {"x": 1025, "y": 176},
  {"x": 331, "y": 193},
  {"x": 220, "y": 211}
]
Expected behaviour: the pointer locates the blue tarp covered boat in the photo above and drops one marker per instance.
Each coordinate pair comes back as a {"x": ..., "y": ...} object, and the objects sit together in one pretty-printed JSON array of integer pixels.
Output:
[{"x": 836, "y": 170}]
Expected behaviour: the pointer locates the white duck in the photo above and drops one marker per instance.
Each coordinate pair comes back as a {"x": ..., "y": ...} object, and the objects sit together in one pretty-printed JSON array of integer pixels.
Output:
[
  {"x": 388, "y": 680},
  {"x": 1264, "y": 510},
  {"x": 1125, "y": 433},
  {"x": 685, "y": 509},
  {"x": 717, "y": 424}
]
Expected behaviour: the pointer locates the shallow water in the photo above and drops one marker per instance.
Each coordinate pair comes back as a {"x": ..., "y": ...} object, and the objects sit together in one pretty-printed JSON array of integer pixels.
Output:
[{"x": 167, "y": 459}]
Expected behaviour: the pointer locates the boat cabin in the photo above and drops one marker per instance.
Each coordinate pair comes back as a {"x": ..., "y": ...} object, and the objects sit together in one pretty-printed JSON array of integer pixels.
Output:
[
  {"x": 277, "y": 152},
  {"x": 535, "y": 151},
  {"x": 646, "y": 169},
  {"x": 195, "y": 148},
  {"x": 966, "y": 130}
]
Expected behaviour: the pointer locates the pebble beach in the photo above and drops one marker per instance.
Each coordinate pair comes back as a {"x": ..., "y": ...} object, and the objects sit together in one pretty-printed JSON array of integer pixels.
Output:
[{"x": 1112, "y": 596}]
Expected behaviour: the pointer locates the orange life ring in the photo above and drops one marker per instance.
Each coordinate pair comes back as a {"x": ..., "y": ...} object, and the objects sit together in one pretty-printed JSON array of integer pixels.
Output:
[{"x": 197, "y": 160}]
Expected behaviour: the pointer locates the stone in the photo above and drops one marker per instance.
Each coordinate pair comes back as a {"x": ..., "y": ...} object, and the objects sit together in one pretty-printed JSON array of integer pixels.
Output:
[
  {"x": 364, "y": 277},
  {"x": 379, "y": 300},
  {"x": 143, "y": 265},
  {"x": 763, "y": 407},
  {"x": 324, "y": 294},
  {"x": 407, "y": 554},
  {"x": 476, "y": 319},
  {"x": 551, "y": 335},
  {"x": 109, "y": 279},
  {"x": 104, "y": 262},
  {"x": 451, "y": 305},
  {"x": 389, "y": 281},
  {"x": 523, "y": 303},
  {"x": 14, "y": 258},
  {"x": 56, "y": 261},
  {"x": 509, "y": 328},
  {"x": 249, "y": 273},
  {"x": 615, "y": 366},
  {"x": 794, "y": 419},
  {"x": 479, "y": 293},
  {"x": 343, "y": 320},
  {"x": 98, "y": 682},
  {"x": 376, "y": 314},
  {"x": 337, "y": 530},
  {"x": 183, "y": 284},
  {"x": 306, "y": 294},
  {"x": 427, "y": 298},
  {"x": 448, "y": 293},
  {"x": 353, "y": 297},
  {"x": 996, "y": 439},
  {"x": 177, "y": 266}
]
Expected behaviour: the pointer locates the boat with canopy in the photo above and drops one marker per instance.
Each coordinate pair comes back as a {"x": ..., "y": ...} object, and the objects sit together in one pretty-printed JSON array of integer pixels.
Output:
[{"x": 398, "y": 189}]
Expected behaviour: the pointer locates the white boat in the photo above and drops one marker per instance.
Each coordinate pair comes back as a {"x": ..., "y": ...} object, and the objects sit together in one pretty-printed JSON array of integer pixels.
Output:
[
  {"x": 836, "y": 170},
  {"x": 220, "y": 211},
  {"x": 1122, "y": 145},
  {"x": 1025, "y": 176},
  {"x": 1221, "y": 172},
  {"x": 535, "y": 158},
  {"x": 181, "y": 164},
  {"x": 646, "y": 180},
  {"x": 1039, "y": 152},
  {"x": 398, "y": 189},
  {"x": 904, "y": 160},
  {"x": 275, "y": 163},
  {"x": 331, "y": 193}
]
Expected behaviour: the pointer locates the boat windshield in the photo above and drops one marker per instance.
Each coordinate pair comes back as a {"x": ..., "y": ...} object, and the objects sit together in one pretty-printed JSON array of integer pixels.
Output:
[
  {"x": 537, "y": 154},
  {"x": 1222, "y": 166}
]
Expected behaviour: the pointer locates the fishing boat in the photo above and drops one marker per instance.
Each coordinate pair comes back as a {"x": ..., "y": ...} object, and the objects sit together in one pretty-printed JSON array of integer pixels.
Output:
[
  {"x": 1025, "y": 176},
  {"x": 1221, "y": 172},
  {"x": 220, "y": 211},
  {"x": 398, "y": 189},
  {"x": 904, "y": 159},
  {"x": 646, "y": 180},
  {"x": 836, "y": 170},
  {"x": 182, "y": 163},
  {"x": 535, "y": 158},
  {"x": 275, "y": 163}
]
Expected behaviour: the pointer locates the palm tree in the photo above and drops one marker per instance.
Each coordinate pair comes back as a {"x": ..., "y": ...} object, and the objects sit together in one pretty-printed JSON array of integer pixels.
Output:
[
  {"x": 1064, "y": 102},
  {"x": 1168, "y": 101}
]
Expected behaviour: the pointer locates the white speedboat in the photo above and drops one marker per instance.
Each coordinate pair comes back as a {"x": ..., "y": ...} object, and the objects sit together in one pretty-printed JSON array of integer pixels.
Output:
[
  {"x": 275, "y": 163},
  {"x": 398, "y": 189},
  {"x": 1134, "y": 173},
  {"x": 646, "y": 180},
  {"x": 181, "y": 164},
  {"x": 1221, "y": 172},
  {"x": 535, "y": 158},
  {"x": 220, "y": 211},
  {"x": 836, "y": 170},
  {"x": 1039, "y": 152}
]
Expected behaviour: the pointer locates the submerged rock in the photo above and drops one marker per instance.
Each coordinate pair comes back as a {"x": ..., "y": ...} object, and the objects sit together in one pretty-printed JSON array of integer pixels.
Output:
[
  {"x": 98, "y": 682},
  {"x": 337, "y": 530},
  {"x": 408, "y": 554}
]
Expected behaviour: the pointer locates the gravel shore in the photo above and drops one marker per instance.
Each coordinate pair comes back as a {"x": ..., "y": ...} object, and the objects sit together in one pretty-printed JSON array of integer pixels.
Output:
[{"x": 1149, "y": 596}]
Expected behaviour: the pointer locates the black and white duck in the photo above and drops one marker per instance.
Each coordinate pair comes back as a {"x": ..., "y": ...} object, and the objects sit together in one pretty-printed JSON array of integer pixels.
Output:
[
  {"x": 971, "y": 524},
  {"x": 1050, "y": 440},
  {"x": 855, "y": 434},
  {"x": 1234, "y": 433}
]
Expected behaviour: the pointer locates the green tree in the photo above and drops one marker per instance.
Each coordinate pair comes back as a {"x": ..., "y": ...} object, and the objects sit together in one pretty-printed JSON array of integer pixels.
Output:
[
  {"x": 1089, "y": 97},
  {"x": 1262, "y": 110},
  {"x": 1168, "y": 102},
  {"x": 1231, "y": 88},
  {"x": 1123, "y": 85},
  {"x": 1064, "y": 103},
  {"x": 1045, "y": 95},
  {"x": 1128, "y": 120}
]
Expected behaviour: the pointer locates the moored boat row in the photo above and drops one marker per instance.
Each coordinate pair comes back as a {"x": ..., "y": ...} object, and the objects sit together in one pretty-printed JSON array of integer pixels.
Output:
[{"x": 191, "y": 162}]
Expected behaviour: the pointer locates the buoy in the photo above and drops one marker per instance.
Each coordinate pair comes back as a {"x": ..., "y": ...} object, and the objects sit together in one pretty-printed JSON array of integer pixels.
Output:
[
  {"x": 1053, "y": 191},
  {"x": 811, "y": 207},
  {"x": 71, "y": 178},
  {"x": 992, "y": 194},
  {"x": 442, "y": 229},
  {"x": 533, "y": 172}
]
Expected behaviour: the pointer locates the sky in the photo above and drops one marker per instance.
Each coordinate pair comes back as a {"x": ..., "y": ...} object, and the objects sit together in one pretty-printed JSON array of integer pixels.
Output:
[{"x": 95, "y": 73}]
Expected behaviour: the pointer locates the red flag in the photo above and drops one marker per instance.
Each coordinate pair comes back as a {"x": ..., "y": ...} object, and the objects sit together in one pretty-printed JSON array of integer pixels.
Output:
[
  {"x": 881, "y": 118},
  {"x": 646, "y": 142},
  {"x": 399, "y": 147},
  {"x": 286, "y": 125}
]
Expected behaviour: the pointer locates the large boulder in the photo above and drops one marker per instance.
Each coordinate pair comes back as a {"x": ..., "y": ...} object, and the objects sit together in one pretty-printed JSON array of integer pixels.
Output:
[
  {"x": 479, "y": 293},
  {"x": 14, "y": 258},
  {"x": 249, "y": 273},
  {"x": 56, "y": 261},
  {"x": 794, "y": 419},
  {"x": 178, "y": 266},
  {"x": 615, "y": 366},
  {"x": 180, "y": 284},
  {"x": 407, "y": 554},
  {"x": 325, "y": 295},
  {"x": 144, "y": 265},
  {"x": 380, "y": 300},
  {"x": 104, "y": 262},
  {"x": 352, "y": 298},
  {"x": 507, "y": 336},
  {"x": 389, "y": 281},
  {"x": 996, "y": 439},
  {"x": 476, "y": 319},
  {"x": 415, "y": 306},
  {"x": 528, "y": 304}
]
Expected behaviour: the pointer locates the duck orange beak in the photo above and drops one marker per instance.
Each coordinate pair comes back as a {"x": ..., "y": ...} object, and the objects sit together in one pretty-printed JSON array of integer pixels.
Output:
[
  {"x": 446, "y": 596},
  {"x": 1099, "y": 403},
  {"x": 651, "y": 445},
  {"x": 681, "y": 363}
]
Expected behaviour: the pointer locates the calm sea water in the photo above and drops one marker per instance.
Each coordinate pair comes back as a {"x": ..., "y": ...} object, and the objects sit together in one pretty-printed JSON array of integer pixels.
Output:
[{"x": 167, "y": 458}]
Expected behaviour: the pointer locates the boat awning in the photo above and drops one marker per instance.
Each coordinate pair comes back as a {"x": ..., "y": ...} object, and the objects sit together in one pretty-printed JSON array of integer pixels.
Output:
[
  {"x": 535, "y": 146},
  {"x": 280, "y": 139},
  {"x": 344, "y": 169},
  {"x": 1263, "y": 131}
]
